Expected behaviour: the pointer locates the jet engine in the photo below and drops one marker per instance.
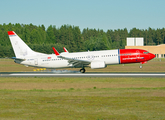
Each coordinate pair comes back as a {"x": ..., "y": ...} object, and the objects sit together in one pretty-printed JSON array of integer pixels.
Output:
[{"x": 98, "y": 64}]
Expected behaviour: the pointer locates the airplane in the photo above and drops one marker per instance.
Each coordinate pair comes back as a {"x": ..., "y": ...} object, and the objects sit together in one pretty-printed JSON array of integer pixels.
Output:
[{"x": 94, "y": 59}]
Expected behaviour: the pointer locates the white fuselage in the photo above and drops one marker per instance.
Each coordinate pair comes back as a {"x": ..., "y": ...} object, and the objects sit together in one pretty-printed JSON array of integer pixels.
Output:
[{"x": 52, "y": 61}]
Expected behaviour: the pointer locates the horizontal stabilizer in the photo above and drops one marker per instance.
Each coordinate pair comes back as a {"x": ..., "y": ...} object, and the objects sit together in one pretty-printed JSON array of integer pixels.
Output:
[{"x": 18, "y": 59}]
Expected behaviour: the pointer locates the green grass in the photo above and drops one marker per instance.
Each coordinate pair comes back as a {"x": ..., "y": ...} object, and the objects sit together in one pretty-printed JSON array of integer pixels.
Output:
[{"x": 82, "y": 98}]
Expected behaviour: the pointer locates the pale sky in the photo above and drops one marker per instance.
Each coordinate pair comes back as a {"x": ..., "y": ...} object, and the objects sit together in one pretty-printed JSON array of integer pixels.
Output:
[{"x": 98, "y": 14}]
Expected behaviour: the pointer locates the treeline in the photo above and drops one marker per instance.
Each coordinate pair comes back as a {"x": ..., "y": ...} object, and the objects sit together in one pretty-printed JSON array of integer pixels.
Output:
[{"x": 42, "y": 40}]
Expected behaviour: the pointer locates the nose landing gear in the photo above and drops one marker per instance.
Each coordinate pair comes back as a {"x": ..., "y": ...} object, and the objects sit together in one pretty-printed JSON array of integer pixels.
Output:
[{"x": 141, "y": 64}]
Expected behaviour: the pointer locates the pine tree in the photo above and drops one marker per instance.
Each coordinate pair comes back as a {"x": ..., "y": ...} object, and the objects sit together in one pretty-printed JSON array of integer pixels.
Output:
[{"x": 50, "y": 37}]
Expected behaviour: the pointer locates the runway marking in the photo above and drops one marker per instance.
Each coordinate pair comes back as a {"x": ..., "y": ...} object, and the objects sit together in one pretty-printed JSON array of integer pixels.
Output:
[{"x": 94, "y": 75}]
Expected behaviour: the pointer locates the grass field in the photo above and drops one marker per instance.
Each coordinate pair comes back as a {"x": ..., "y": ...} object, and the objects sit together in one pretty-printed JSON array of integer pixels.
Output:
[
  {"x": 82, "y": 98},
  {"x": 8, "y": 65}
]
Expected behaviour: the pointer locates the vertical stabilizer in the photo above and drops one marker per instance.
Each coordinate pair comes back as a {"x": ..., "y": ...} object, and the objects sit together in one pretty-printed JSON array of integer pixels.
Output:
[{"x": 20, "y": 48}]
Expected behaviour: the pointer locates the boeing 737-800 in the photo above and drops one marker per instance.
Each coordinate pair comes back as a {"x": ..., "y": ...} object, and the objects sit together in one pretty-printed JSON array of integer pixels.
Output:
[{"x": 94, "y": 59}]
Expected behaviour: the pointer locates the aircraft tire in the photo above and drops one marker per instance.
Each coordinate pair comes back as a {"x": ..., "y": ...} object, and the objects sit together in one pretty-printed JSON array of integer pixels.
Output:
[{"x": 82, "y": 70}]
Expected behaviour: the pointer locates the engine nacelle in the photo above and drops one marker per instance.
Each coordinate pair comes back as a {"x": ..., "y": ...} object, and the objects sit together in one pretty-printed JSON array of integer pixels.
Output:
[{"x": 98, "y": 64}]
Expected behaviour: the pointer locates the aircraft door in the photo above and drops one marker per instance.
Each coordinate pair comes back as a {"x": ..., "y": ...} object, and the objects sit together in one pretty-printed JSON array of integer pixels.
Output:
[
  {"x": 137, "y": 55},
  {"x": 35, "y": 61}
]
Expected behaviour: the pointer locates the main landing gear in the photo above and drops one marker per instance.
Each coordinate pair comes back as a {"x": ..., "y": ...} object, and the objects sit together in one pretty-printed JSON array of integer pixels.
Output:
[{"x": 82, "y": 70}]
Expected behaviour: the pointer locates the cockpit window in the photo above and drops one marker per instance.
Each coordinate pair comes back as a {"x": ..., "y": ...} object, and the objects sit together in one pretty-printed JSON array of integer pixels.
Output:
[{"x": 146, "y": 52}]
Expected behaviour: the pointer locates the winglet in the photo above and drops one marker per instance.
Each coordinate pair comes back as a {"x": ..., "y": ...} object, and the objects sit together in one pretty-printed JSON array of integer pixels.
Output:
[
  {"x": 65, "y": 49},
  {"x": 11, "y": 33},
  {"x": 55, "y": 51}
]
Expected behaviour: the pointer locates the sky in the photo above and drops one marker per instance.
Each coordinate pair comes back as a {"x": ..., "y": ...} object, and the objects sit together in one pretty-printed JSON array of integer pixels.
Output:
[{"x": 92, "y": 14}]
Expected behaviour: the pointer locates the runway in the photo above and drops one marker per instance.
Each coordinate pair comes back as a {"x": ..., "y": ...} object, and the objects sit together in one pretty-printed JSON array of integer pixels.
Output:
[{"x": 49, "y": 74}]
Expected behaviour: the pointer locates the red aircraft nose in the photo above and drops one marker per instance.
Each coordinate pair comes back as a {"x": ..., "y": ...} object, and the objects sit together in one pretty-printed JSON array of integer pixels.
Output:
[{"x": 152, "y": 56}]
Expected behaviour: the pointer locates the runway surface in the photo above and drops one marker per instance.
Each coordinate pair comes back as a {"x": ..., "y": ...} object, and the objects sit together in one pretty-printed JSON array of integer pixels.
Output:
[{"x": 49, "y": 74}]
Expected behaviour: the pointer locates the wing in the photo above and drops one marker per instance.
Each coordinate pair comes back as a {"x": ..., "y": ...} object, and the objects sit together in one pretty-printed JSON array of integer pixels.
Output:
[
  {"x": 72, "y": 61},
  {"x": 75, "y": 62}
]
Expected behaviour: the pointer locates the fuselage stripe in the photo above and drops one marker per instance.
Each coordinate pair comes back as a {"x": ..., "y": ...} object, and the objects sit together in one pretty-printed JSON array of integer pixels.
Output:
[{"x": 119, "y": 55}]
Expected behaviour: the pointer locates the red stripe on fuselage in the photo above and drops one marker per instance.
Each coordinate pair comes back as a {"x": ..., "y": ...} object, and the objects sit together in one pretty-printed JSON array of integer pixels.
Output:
[{"x": 132, "y": 56}]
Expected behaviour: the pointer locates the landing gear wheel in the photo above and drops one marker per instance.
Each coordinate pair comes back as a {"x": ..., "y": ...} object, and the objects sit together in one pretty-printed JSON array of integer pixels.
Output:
[
  {"x": 82, "y": 70},
  {"x": 140, "y": 66}
]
